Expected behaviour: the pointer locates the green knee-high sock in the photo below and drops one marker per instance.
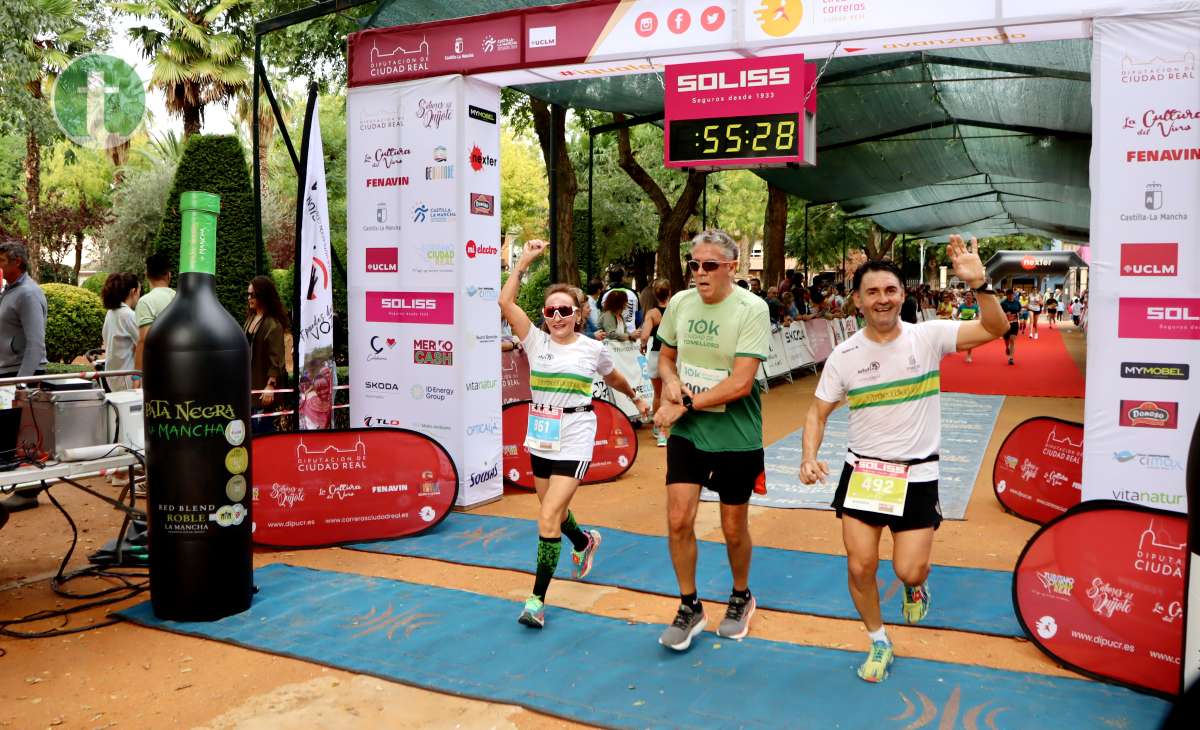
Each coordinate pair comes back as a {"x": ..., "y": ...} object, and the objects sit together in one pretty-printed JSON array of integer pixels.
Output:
[
  {"x": 549, "y": 549},
  {"x": 570, "y": 528}
]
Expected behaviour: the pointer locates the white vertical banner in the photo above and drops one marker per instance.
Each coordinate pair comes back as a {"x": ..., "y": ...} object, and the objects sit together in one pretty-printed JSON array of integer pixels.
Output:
[
  {"x": 423, "y": 255},
  {"x": 317, "y": 373},
  {"x": 1144, "y": 285}
]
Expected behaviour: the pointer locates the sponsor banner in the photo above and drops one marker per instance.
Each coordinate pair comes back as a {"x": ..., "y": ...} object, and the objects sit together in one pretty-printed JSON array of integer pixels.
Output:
[
  {"x": 629, "y": 360},
  {"x": 469, "y": 45},
  {"x": 820, "y": 338},
  {"x": 331, "y": 487},
  {"x": 777, "y": 360},
  {"x": 1101, "y": 588},
  {"x": 615, "y": 450},
  {"x": 1038, "y": 472},
  {"x": 795, "y": 342},
  {"x": 514, "y": 376},
  {"x": 775, "y": 22},
  {"x": 1144, "y": 288}
]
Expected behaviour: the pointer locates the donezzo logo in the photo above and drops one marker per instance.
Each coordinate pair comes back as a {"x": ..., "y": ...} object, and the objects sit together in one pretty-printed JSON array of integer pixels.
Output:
[{"x": 1149, "y": 414}]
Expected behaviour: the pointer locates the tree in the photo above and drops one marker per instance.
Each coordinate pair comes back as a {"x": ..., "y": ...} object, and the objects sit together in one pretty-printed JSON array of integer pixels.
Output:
[
  {"x": 79, "y": 181},
  {"x": 202, "y": 56},
  {"x": 523, "y": 186},
  {"x": 672, "y": 217},
  {"x": 266, "y": 125},
  {"x": 314, "y": 50},
  {"x": 774, "y": 232},
  {"x": 553, "y": 126},
  {"x": 139, "y": 198}
]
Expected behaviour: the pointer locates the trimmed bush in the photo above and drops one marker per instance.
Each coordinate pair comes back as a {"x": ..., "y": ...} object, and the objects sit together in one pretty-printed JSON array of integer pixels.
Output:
[
  {"x": 74, "y": 321},
  {"x": 216, "y": 164},
  {"x": 95, "y": 282}
]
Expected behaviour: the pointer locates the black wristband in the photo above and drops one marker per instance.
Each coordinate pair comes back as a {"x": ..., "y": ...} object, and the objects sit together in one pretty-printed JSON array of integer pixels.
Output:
[{"x": 984, "y": 288}]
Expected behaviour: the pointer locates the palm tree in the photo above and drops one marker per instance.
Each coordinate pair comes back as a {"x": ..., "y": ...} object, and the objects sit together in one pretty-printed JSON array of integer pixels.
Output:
[
  {"x": 61, "y": 36},
  {"x": 200, "y": 58},
  {"x": 266, "y": 123}
]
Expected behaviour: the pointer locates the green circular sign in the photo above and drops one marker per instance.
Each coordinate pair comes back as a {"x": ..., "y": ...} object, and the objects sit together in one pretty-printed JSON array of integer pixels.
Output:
[{"x": 98, "y": 101}]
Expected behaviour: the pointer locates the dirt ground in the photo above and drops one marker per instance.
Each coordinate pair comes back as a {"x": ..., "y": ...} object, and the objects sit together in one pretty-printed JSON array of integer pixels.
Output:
[{"x": 131, "y": 677}]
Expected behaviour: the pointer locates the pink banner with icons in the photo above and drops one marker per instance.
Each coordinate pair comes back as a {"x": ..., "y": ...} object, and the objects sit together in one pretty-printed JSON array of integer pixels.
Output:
[{"x": 820, "y": 338}]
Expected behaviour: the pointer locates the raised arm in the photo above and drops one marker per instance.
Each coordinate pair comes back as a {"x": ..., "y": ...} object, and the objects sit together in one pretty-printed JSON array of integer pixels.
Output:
[
  {"x": 517, "y": 319},
  {"x": 969, "y": 269}
]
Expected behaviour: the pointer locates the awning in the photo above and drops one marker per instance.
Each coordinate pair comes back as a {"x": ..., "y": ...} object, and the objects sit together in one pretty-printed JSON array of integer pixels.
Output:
[{"x": 1032, "y": 263}]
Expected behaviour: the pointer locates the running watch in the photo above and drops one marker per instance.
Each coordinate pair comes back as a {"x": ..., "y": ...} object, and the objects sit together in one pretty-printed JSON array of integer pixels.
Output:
[{"x": 687, "y": 402}]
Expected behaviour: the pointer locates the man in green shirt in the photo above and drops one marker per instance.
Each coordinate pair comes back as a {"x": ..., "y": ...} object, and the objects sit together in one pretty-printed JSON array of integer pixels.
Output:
[
  {"x": 714, "y": 337},
  {"x": 153, "y": 302}
]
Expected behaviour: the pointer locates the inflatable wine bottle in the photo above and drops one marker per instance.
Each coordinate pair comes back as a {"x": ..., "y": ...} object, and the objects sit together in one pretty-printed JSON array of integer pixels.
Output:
[{"x": 197, "y": 391}]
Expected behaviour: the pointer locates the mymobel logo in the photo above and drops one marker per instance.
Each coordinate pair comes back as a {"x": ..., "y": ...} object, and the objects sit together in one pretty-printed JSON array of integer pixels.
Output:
[
  {"x": 483, "y": 115},
  {"x": 744, "y": 79},
  {"x": 1155, "y": 370},
  {"x": 98, "y": 101}
]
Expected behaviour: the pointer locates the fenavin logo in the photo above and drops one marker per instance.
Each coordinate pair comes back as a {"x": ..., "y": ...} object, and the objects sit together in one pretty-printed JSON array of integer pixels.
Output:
[{"x": 1155, "y": 370}]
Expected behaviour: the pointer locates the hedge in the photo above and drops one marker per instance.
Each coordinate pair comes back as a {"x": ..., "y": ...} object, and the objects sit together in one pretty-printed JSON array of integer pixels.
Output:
[
  {"x": 95, "y": 282},
  {"x": 217, "y": 164},
  {"x": 74, "y": 321}
]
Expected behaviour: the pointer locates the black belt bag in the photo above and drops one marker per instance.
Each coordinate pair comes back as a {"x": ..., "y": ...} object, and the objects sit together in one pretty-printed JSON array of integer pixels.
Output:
[{"x": 910, "y": 462}]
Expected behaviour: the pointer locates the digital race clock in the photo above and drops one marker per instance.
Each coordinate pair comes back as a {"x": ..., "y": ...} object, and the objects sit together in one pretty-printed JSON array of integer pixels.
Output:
[{"x": 743, "y": 113}]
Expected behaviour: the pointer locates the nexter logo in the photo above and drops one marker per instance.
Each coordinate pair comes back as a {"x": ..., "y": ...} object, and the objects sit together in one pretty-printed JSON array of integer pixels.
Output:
[{"x": 745, "y": 79}]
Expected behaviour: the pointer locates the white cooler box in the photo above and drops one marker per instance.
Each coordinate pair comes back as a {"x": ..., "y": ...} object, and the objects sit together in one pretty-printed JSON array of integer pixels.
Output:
[{"x": 125, "y": 425}]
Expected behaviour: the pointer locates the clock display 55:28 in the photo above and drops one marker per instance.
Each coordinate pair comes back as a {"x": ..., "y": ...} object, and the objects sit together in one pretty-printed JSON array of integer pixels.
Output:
[{"x": 766, "y": 135}]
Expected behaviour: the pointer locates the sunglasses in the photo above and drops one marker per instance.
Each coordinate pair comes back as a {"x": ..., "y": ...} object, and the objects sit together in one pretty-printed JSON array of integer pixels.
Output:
[
  {"x": 561, "y": 311},
  {"x": 708, "y": 266}
]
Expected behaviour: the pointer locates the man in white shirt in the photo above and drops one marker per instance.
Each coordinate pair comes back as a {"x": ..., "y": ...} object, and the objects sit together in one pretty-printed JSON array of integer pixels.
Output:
[{"x": 889, "y": 373}]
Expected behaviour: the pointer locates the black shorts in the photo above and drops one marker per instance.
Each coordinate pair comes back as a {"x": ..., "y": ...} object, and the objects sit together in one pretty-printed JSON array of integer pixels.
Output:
[
  {"x": 731, "y": 474},
  {"x": 543, "y": 468},
  {"x": 921, "y": 506},
  {"x": 1012, "y": 330}
]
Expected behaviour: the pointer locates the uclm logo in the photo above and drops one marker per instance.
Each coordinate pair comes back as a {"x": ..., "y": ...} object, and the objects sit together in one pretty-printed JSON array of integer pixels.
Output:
[
  {"x": 1158, "y": 318},
  {"x": 382, "y": 261},
  {"x": 752, "y": 78},
  {"x": 1149, "y": 414},
  {"x": 1149, "y": 259}
]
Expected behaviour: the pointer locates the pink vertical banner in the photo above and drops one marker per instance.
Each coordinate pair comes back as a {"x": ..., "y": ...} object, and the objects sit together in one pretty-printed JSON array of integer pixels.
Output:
[{"x": 820, "y": 338}]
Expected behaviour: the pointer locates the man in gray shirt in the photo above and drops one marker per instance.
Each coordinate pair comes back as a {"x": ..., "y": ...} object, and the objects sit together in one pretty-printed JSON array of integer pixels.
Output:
[
  {"x": 22, "y": 316},
  {"x": 22, "y": 333}
]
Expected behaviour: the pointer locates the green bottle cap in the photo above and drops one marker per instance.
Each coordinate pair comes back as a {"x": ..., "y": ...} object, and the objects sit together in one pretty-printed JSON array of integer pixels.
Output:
[{"x": 198, "y": 235}]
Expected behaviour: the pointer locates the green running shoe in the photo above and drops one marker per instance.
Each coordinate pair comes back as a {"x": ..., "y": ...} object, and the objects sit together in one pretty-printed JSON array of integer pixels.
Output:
[
  {"x": 534, "y": 615},
  {"x": 581, "y": 560},
  {"x": 916, "y": 603},
  {"x": 875, "y": 668}
]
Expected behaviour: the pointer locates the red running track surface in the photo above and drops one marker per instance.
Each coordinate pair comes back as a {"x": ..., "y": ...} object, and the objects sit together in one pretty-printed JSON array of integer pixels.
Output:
[{"x": 1043, "y": 367}]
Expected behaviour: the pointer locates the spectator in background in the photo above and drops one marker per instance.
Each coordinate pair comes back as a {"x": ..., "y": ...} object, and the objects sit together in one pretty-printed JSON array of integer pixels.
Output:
[
  {"x": 774, "y": 306},
  {"x": 1076, "y": 311},
  {"x": 788, "y": 300},
  {"x": 594, "y": 287},
  {"x": 742, "y": 283},
  {"x": 945, "y": 308},
  {"x": 662, "y": 295},
  {"x": 266, "y": 321},
  {"x": 756, "y": 287},
  {"x": 120, "y": 295},
  {"x": 612, "y": 319},
  {"x": 839, "y": 298},
  {"x": 908, "y": 310},
  {"x": 22, "y": 316},
  {"x": 22, "y": 334},
  {"x": 785, "y": 284},
  {"x": 158, "y": 275},
  {"x": 616, "y": 282}
]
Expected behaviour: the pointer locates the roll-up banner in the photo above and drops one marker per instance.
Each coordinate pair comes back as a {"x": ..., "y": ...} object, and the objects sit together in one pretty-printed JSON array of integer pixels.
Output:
[
  {"x": 615, "y": 450},
  {"x": 514, "y": 376},
  {"x": 1100, "y": 589},
  {"x": 1038, "y": 470},
  {"x": 317, "y": 488},
  {"x": 1144, "y": 282},
  {"x": 423, "y": 251}
]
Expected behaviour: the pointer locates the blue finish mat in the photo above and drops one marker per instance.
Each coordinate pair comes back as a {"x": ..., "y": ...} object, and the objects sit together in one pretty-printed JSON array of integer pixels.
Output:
[
  {"x": 609, "y": 672},
  {"x": 967, "y": 422},
  {"x": 965, "y": 599}
]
